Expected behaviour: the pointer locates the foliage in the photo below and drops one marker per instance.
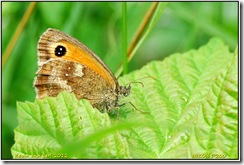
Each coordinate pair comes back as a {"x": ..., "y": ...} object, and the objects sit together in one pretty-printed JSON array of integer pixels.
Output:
[
  {"x": 190, "y": 105},
  {"x": 181, "y": 27}
]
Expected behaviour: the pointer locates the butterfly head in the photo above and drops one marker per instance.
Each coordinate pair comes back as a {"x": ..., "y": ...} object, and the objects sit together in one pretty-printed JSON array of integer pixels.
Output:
[{"x": 124, "y": 90}]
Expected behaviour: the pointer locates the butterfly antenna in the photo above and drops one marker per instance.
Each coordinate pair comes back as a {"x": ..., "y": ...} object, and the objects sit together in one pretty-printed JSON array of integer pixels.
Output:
[
  {"x": 139, "y": 81},
  {"x": 147, "y": 77},
  {"x": 134, "y": 107},
  {"x": 128, "y": 84}
]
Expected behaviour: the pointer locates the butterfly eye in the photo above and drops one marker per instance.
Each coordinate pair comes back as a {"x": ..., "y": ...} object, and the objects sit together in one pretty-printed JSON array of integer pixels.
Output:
[{"x": 60, "y": 51}]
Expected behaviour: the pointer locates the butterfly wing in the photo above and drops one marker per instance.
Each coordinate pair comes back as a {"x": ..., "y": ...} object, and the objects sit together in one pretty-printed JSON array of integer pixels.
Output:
[
  {"x": 73, "y": 68},
  {"x": 75, "y": 51},
  {"x": 58, "y": 75}
]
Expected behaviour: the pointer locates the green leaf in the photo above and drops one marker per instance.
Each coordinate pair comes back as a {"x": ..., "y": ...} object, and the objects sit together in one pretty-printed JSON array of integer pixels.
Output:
[
  {"x": 48, "y": 127},
  {"x": 192, "y": 104},
  {"x": 215, "y": 129}
]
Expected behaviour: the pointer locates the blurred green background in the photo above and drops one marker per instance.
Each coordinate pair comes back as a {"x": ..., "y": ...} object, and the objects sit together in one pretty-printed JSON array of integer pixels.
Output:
[{"x": 182, "y": 26}]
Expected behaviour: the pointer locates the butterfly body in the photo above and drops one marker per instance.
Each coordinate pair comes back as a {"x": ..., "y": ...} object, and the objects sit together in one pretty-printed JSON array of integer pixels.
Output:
[{"x": 65, "y": 64}]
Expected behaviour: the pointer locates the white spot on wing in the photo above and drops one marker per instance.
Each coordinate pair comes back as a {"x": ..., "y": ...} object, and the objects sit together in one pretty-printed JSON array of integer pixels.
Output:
[
  {"x": 78, "y": 70},
  {"x": 62, "y": 83},
  {"x": 59, "y": 81}
]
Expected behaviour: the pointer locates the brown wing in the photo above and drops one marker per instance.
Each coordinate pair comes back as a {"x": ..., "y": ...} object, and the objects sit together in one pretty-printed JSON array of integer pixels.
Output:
[
  {"x": 76, "y": 52},
  {"x": 58, "y": 75}
]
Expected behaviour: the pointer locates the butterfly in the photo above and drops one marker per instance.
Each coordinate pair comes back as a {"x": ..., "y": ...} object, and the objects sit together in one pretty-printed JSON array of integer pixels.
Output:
[{"x": 65, "y": 64}]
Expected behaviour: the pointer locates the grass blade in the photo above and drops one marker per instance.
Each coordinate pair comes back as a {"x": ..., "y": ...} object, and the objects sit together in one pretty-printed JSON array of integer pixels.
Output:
[
  {"x": 150, "y": 19},
  {"x": 124, "y": 38}
]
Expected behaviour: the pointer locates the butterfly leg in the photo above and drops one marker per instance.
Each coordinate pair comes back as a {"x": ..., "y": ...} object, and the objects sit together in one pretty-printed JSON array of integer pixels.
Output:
[{"x": 133, "y": 107}]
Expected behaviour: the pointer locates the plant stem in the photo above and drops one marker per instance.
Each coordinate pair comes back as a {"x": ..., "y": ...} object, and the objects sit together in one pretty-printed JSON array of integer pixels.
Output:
[
  {"x": 17, "y": 33},
  {"x": 124, "y": 38}
]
